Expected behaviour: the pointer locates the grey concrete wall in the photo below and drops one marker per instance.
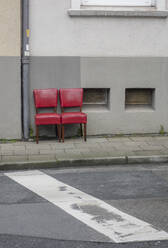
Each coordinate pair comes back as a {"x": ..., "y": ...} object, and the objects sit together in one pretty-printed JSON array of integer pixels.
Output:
[
  {"x": 119, "y": 74},
  {"x": 10, "y": 98},
  {"x": 105, "y": 52},
  {"x": 53, "y": 72},
  {"x": 116, "y": 74},
  {"x": 10, "y": 76}
]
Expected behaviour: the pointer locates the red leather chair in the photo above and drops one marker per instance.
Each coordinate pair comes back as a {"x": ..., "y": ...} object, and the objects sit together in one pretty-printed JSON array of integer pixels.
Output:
[
  {"x": 72, "y": 98},
  {"x": 46, "y": 98}
]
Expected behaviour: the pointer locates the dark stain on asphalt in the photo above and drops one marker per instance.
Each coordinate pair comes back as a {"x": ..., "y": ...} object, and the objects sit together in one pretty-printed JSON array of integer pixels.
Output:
[
  {"x": 63, "y": 188},
  {"x": 99, "y": 214},
  {"x": 75, "y": 207}
]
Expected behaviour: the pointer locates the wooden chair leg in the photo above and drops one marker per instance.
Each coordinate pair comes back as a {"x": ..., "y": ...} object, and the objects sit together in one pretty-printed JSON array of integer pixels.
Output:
[
  {"x": 56, "y": 131},
  {"x": 85, "y": 131},
  {"x": 62, "y": 133},
  {"x": 37, "y": 135},
  {"x": 59, "y": 132},
  {"x": 81, "y": 130}
]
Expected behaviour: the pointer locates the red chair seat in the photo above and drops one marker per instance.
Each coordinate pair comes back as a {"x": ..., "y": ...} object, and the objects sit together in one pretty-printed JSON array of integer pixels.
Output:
[
  {"x": 47, "y": 119},
  {"x": 73, "y": 117}
]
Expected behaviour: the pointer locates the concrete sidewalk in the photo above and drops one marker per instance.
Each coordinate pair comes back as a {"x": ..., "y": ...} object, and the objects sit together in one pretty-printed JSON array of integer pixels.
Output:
[{"x": 96, "y": 151}]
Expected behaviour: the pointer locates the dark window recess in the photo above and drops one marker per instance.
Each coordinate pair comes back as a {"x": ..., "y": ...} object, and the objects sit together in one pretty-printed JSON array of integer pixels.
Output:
[
  {"x": 139, "y": 98},
  {"x": 96, "y": 97}
]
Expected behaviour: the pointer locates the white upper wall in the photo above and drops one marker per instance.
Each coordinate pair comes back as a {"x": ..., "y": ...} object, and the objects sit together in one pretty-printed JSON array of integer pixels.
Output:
[{"x": 54, "y": 33}]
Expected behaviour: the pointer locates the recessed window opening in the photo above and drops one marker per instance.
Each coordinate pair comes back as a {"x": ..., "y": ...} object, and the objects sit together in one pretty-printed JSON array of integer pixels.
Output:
[
  {"x": 96, "y": 98},
  {"x": 139, "y": 98}
]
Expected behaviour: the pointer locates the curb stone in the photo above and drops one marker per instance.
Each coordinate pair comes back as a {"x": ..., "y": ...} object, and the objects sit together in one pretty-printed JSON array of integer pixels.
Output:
[
  {"x": 147, "y": 159},
  {"x": 62, "y": 163},
  {"x": 67, "y": 163}
]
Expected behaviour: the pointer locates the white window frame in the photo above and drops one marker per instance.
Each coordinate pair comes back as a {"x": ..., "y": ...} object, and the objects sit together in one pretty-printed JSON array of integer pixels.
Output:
[
  {"x": 146, "y": 3},
  {"x": 159, "y": 4}
]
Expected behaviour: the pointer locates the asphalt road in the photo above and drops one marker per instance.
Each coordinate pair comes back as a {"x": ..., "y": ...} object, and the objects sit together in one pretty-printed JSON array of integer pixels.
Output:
[{"x": 28, "y": 219}]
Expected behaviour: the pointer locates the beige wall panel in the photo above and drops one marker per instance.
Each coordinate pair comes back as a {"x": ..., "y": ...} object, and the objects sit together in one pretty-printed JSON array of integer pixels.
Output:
[{"x": 10, "y": 17}]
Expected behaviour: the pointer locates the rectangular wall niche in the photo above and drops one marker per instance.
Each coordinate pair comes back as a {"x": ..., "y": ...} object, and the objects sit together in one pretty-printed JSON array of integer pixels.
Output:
[
  {"x": 139, "y": 99},
  {"x": 96, "y": 98}
]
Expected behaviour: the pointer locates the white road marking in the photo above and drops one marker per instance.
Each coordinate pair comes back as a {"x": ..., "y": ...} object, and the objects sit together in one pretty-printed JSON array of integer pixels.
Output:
[{"x": 116, "y": 225}]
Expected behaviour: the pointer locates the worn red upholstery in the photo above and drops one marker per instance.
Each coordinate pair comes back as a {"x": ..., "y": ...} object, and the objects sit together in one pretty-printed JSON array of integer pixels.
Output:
[
  {"x": 46, "y": 98},
  {"x": 72, "y": 97},
  {"x": 47, "y": 119},
  {"x": 73, "y": 117}
]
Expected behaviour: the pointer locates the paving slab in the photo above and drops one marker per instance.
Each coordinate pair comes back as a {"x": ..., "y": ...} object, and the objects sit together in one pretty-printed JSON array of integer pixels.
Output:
[
  {"x": 14, "y": 158},
  {"x": 119, "y": 139},
  {"x": 46, "y": 151},
  {"x": 42, "y": 157},
  {"x": 31, "y": 151},
  {"x": 146, "y": 138},
  {"x": 148, "y": 152},
  {"x": 19, "y": 152},
  {"x": 7, "y": 152}
]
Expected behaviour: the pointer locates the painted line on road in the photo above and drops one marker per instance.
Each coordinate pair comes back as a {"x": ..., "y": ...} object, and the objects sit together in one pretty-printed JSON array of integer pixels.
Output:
[{"x": 116, "y": 225}]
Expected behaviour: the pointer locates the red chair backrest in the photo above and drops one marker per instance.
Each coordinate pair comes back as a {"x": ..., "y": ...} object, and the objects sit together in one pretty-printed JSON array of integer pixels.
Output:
[
  {"x": 72, "y": 97},
  {"x": 45, "y": 98}
]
